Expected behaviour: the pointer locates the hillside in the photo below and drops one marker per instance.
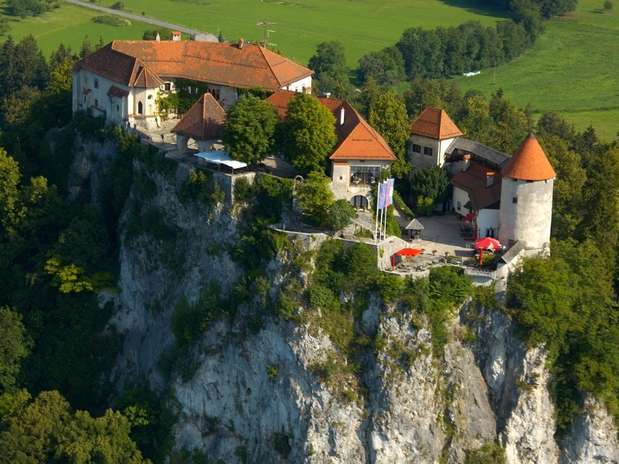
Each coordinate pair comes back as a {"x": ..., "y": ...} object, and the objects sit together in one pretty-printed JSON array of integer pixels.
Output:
[
  {"x": 69, "y": 25},
  {"x": 570, "y": 70},
  {"x": 299, "y": 25}
]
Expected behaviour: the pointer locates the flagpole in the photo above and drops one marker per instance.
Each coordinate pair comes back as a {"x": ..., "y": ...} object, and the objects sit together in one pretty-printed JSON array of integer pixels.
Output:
[{"x": 376, "y": 221}]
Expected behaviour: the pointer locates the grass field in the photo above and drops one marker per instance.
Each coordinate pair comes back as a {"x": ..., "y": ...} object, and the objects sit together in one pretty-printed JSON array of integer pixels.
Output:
[
  {"x": 573, "y": 69},
  {"x": 362, "y": 25},
  {"x": 69, "y": 25}
]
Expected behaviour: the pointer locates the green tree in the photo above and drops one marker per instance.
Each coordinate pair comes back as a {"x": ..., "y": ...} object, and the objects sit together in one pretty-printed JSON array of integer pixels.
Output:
[
  {"x": 341, "y": 213},
  {"x": 568, "y": 207},
  {"x": 601, "y": 191},
  {"x": 250, "y": 129},
  {"x": 330, "y": 72},
  {"x": 309, "y": 134},
  {"x": 47, "y": 430},
  {"x": 14, "y": 346},
  {"x": 314, "y": 198},
  {"x": 428, "y": 187},
  {"x": 608, "y": 5},
  {"x": 388, "y": 116},
  {"x": 386, "y": 66}
]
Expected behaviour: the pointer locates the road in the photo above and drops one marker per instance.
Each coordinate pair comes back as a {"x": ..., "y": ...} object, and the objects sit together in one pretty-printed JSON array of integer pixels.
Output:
[{"x": 135, "y": 17}]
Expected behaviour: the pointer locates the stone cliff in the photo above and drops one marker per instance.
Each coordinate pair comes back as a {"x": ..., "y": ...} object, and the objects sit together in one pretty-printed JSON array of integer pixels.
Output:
[{"x": 252, "y": 392}]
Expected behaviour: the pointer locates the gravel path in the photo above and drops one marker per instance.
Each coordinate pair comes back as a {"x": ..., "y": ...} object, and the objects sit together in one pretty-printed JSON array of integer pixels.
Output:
[{"x": 135, "y": 17}]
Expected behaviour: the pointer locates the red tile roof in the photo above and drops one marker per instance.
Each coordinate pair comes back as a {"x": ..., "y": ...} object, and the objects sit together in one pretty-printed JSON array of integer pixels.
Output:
[
  {"x": 473, "y": 182},
  {"x": 435, "y": 124},
  {"x": 529, "y": 162},
  {"x": 250, "y": 66},
  {"x": 204, "y": 120},
  {"x": 357, "y": 140}
]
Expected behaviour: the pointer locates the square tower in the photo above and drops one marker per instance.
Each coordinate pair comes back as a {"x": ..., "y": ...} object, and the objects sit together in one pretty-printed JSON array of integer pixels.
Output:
[{"x": 431, "y": 134}]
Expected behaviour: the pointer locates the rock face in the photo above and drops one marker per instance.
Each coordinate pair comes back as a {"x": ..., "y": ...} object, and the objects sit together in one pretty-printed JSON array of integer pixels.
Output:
[
  {"x": 592, "y": 438},
  {"x": 254, "y": 395}
]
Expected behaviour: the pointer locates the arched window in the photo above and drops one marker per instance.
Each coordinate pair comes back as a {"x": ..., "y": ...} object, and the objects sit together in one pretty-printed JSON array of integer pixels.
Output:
[{"x": 140, "y": 108}]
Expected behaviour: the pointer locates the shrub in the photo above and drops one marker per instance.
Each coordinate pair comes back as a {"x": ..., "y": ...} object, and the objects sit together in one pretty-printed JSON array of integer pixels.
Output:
[
  {"x": 111, "y": 20},
  {"x": 608, "y": 5},
  {"x": 341, "y": 213},
  {"x": 189, "y": 321},
  {"x": 118, "y": 6},
  {"x": 490, "y": 453},
  {"x": 315, "y": 198},
  {"x": 202, "y": 189}
]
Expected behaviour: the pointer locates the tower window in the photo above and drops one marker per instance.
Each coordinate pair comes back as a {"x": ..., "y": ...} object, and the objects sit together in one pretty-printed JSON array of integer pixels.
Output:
[
  {"x": 514, "y": 200},
  {"x": 416, "y": 148},
  {"x": 427, "y": 151},
  {"x": 96, "y": 83}
]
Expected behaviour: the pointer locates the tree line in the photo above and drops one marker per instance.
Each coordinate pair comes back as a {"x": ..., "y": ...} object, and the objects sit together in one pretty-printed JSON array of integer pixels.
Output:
[{"x": 440, "y": 52}]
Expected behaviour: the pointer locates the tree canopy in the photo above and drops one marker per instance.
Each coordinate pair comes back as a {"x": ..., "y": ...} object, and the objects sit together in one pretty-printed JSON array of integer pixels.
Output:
[
  {"x": 387, "y": 114},
  {"x": 250, "y": 129},
  {"x": 308, "y": 134},
  {"x": 45, "y": 429},
  {"x": 331, "y": 73}
]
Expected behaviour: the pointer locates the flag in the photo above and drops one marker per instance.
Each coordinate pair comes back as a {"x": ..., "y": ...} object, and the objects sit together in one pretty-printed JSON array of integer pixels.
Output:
[
  {"x": 388, "y": 193},
  {"x": 381, "y": 195}
]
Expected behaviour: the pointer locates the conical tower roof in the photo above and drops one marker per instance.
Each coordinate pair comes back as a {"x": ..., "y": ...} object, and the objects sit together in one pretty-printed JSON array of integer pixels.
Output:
[
  {"x": 435, "y": 124},
  {"x": 529, "y": 162}
]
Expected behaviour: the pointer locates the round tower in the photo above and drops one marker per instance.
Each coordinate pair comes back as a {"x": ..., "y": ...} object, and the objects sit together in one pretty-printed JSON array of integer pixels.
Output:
[{"x": 526, "y": 197}]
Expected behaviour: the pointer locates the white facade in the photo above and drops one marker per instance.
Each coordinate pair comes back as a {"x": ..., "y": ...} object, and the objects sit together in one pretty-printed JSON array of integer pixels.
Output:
[
  {"x": 90, "y": 93},
  {"x": 460, "y": 199},
  {"x": 346, "y": 185},
  {"x": 302, "y": 86},
  {"x": 425, "y": 152},
  {"x": 526, "y": 212},
  {"x": 488, "y": 222}
]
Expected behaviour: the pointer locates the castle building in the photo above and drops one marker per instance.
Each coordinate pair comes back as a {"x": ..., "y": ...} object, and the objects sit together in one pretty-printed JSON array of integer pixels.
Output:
[
  {"x": 360, "y": 153},
  {"x": 494, "y": 195},
  {"x": 123, "y": 80}
]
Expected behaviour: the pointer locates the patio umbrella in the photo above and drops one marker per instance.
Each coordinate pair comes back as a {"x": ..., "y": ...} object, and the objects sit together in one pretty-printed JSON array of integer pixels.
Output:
[{"x": 488, "y": 243}]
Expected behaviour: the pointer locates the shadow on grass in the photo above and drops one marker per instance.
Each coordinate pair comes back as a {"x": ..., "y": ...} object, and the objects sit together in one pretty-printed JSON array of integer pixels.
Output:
[{"x": 479, "y": 7}]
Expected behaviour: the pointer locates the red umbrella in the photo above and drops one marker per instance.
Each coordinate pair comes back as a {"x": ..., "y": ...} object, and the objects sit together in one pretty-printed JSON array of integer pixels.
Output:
[
  {"x": 488, "y": 243},
  {"x": 409, "y": 252}
]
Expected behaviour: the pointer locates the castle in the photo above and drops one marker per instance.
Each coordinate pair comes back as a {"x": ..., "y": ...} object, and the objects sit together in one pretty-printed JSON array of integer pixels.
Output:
[
  {"x": 494, "y": 195},
  {"x": 509, "y": 198}
]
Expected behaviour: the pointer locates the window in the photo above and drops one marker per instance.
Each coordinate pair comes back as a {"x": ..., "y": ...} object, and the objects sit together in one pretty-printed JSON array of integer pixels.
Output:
[
  {"x": 96, "y": 83},
  {"x": 150, "y": 97},
  {"x": 416, "y": 148},
  {"x": 427, "y": 151},
  {"x": 117, "y": 108},
  {"x": 168, "y": 86},
  {"x": 514, "y": 200},
  {"x": 140, "y": 108},
  {"x": 96, "y": 103}
]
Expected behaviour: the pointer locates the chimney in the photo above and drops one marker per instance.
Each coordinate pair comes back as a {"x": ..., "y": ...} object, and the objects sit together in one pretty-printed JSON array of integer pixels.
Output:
[
  {"x": 466, "y": 162},
  {"x": 241, "y": 43},
  {"x": 490, "y": 175},
  {"x": 158, "y": 38},
  {"x": 176, "y": 36},
  {"x": 342, "y": 116}
]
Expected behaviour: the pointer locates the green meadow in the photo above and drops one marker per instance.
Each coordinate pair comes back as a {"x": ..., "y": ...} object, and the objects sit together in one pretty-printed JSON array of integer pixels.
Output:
[
  {"x": 362, "y": 25},
  {"x": 573, "y": 69},
  {"x": 69, "y": 25}
]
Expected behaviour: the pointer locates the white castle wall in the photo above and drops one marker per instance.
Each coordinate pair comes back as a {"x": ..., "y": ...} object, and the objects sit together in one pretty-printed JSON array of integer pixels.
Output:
[{"x": 529, "y": 218}]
